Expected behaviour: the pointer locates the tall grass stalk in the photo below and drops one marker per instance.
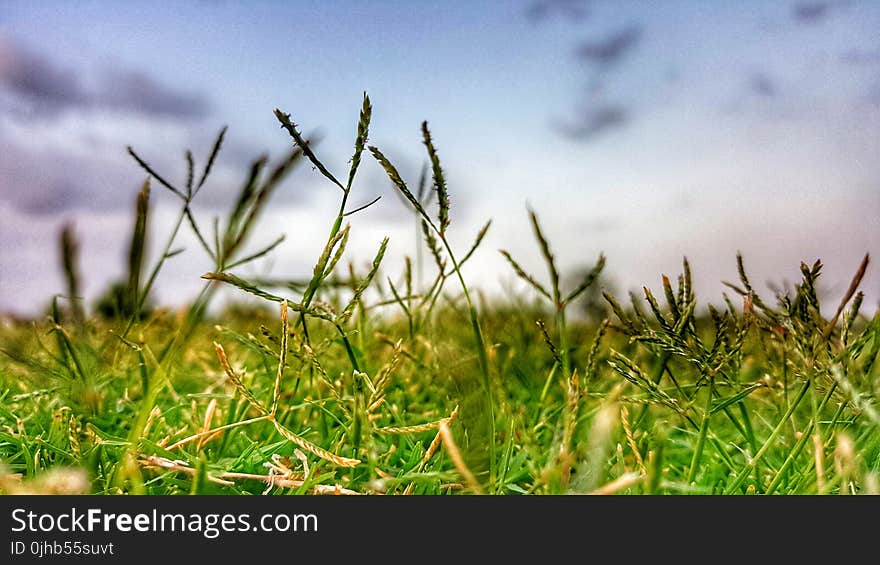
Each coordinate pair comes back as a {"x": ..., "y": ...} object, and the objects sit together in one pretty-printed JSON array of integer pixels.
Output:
[
  {"x": 360, "y": 141},
  {"x": 443, "y": 218}
]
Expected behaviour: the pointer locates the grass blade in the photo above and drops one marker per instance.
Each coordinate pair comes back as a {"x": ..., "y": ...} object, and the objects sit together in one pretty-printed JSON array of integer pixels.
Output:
[
  {"x": 549, "y": 259},
  {"x": 257, "y": 254},
  {"x": 70, "y": 265},
  {"x": 340, "y": 249},
  {"x": 137, "y": 246},
  {"x": 477, "y": 241},
  {"x": 282, "y": 358},
  {"x": 190, "y": 171},
  {"x": 588, "y": 279},
  {"x": 364, "y": 284},
  {"x": 363, "y": 131},
  {"x": 433, "y": 246},
  {"x": 853, "y": 286},
  {"x": 314, "y": 449},
  {"x": 304, "y": 145},
  {"x": 521, "y": 273},
  {"x": 439, "y": 180},
  {"x": 251, "y": 289},
  {"x": 145, "y": 166},
  {"x": 237, "y": 382},
  {"x": 395, "y": 177},
  {"x": 213, "y": 155}
]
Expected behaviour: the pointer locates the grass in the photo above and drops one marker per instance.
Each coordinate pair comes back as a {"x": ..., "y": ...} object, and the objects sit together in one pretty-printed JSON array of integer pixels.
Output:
[{"x": 362, "y": 381}]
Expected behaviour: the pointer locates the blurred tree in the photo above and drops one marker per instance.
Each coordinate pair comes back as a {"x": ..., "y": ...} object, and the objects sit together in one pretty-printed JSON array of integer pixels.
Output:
[
  {"x": 116, "y": 303},
  {"x": 69, "y": 245},
  {"x": 127, "y": 299}
]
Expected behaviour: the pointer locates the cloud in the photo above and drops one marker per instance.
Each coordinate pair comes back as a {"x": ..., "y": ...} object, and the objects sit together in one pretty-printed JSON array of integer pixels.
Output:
[
  {"x": 34, "y": 77},
  {"x": 137, "y": 92},
  {"x": 762, "y": 85},
  {"x": 610, "y": 51},
  {"x": 810, "y": 12},
  {"x": 815, "y": 11},
  {"x": 64, "y": 131},
  {"x": 46, "y": 170},
  {"x": 575, "y": 10},
  {"x": 40, "y": 86},
  {"x": 597, "y": 121}
]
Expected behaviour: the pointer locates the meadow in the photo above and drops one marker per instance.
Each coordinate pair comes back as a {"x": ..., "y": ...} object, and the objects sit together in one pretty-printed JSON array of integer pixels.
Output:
[{"x": 363, "y": 381}]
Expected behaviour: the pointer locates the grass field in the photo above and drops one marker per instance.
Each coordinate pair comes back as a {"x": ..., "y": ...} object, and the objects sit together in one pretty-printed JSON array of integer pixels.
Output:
[{"x": 363, "y": 381}]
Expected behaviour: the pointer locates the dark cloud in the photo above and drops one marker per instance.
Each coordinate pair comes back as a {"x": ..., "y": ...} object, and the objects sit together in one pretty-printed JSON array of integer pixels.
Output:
[
  {"x": 48, "y": 180},
  {"x": 92, "y": 171},
  {"x": 597, "y": 121},
  {"x": 575, "y": 10},
  {"x": 762, "y": 85},
  {"x": 816, "y": 11},
  {"x": 42, "y": 87},
  {"x": 137, "y": 92},
  {"x": 810, "y": 12},
  {"x": 34, "y": 77},
  {"x": 610, "y": 51}
]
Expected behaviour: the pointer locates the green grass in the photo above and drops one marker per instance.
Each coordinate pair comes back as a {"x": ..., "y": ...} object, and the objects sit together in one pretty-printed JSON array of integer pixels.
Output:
[{"x": 360, "y": 380}]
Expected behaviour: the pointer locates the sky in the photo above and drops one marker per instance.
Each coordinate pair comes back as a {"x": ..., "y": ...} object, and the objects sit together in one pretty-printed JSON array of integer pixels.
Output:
[{"x": 646, "y": 131}]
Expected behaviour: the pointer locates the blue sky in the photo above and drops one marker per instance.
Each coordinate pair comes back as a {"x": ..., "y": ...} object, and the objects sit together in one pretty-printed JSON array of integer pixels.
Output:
[{"x": 645, "y": 130}]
